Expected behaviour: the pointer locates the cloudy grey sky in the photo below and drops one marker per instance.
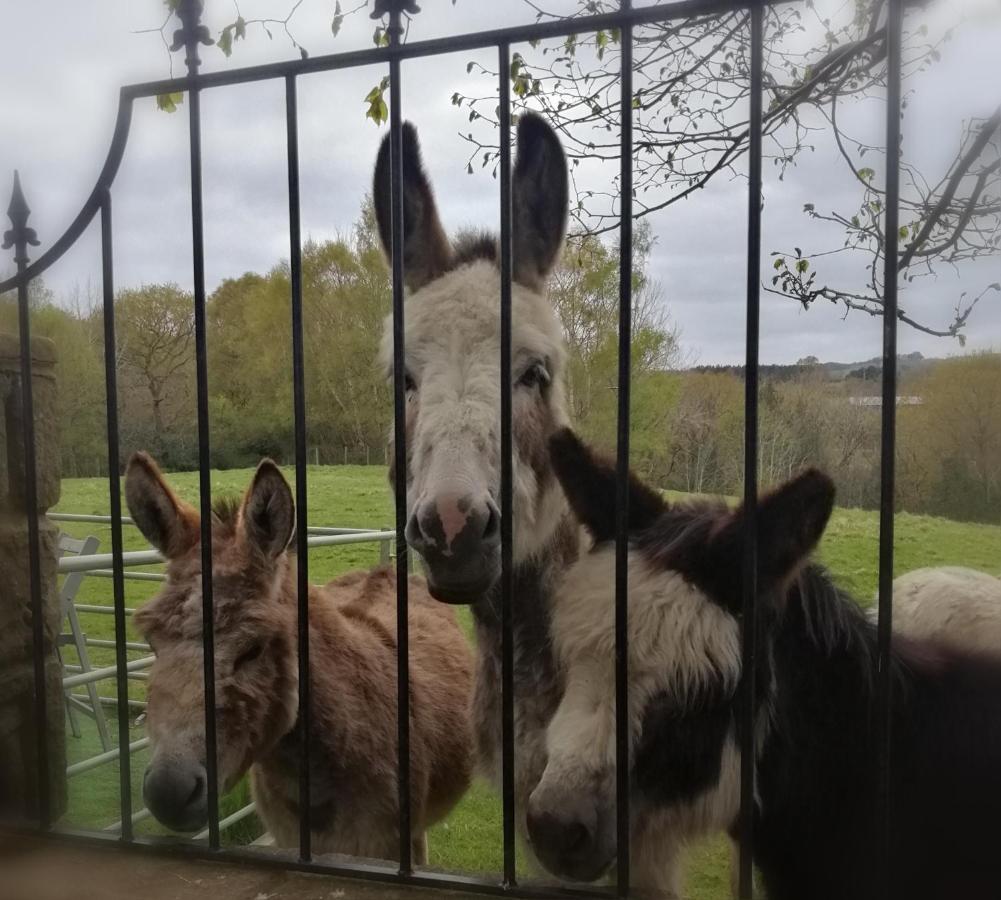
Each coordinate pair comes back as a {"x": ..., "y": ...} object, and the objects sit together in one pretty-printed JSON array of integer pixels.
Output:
[{"x": 62, "y": 62}]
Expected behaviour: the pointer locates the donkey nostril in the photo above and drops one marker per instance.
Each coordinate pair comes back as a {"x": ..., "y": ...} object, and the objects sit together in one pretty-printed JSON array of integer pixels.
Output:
[
  {"x": 491, "y": 528},
  {"x": 197, "y": 791},
  {"x": 413, "y": 533},
  {"x": 575, "y": 837}
]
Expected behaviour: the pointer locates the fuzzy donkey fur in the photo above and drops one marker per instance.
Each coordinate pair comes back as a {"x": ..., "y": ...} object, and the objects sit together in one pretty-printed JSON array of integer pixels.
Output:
[
  {"x": 452, "y": 340},
  {"x": 352, "y": 634},
  {"x": 951, "y": 603},
  {"x": 816, "y": 834}
]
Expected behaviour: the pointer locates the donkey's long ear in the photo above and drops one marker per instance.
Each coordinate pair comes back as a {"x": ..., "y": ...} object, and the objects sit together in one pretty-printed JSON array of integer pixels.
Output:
[
  {"x": 791, "y": 521},
  {"x": 589, "y": 484},
  {"x": 426, "y": 250},
  {"x": 539, "y": 200},
  {"x": 267, "y": 517},
  {"x": 167, "y": 522}
]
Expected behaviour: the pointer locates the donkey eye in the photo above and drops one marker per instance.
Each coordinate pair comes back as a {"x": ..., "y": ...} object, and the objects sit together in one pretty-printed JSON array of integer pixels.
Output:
[
  {"x": 534, "y": 376},
  {"x": 247, "y": 656}
]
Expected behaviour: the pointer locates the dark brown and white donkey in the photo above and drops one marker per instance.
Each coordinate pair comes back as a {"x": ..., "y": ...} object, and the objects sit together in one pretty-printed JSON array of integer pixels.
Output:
[
  {"x": 816, "y": 831},
  {"x": 452, "y": 335},
  {"x": 352, "y": 634}
]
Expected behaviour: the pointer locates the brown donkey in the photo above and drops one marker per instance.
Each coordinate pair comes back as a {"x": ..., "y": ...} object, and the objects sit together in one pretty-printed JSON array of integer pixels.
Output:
[{"x": 352, "y": 634}]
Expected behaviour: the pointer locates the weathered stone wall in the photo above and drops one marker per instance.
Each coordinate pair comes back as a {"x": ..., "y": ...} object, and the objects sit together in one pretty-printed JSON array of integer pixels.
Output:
[{"x": 18, "y": 757}]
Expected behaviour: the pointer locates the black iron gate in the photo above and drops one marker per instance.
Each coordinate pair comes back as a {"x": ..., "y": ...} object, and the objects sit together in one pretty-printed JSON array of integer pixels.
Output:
[{"x": 189, "y": 36}]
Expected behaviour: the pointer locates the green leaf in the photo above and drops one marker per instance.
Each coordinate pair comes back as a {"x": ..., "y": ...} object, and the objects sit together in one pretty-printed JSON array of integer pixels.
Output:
[
  {"x": 169, "y": 102},
  {"x": 241, "y": 28},
  {"x": 903, "y": 231},
  {"x": 779, "y": 263},
  {"x": 601, "y": 41},
  {"x": 802, "y": 265},
  {"x": 866, "y": 174},
  {"x": 855, "y": 221},
  {"x": 226, "y": 40},
  {"x": 378, "y": 111}
]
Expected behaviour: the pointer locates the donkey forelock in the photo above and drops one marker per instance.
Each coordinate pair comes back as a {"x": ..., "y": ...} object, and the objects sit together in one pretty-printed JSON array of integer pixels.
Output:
[{"x": 452, "y": 359}]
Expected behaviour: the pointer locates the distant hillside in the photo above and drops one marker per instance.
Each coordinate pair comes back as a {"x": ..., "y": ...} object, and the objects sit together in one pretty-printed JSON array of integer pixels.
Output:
[{"x": 867, "y": 370}]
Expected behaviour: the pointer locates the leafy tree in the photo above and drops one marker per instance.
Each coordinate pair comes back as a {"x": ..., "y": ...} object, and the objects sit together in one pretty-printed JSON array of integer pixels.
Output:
[
  {"x": 949, "y": 444},
  {"x": 155, "y": 329},
  {"x": 79, "y": 370}
]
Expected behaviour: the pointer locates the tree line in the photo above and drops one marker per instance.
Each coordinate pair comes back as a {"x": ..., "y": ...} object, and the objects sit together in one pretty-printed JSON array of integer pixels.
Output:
[{"x": 687, "y": 424}]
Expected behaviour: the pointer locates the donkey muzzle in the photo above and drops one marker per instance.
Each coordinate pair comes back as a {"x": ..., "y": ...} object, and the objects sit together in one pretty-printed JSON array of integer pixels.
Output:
[
  {"x": 176, "y": 793},
  {"x": 571, "y": 839},
  {"x": 458, "y": 537}
]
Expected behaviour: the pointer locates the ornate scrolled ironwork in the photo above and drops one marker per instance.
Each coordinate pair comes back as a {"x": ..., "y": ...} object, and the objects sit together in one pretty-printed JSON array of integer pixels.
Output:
[
  {"x": 388, "y": 7},
  {"x": 191, "y": 33}
]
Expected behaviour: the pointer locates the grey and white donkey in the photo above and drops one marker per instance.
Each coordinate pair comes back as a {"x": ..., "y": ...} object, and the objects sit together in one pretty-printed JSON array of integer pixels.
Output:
[{"x": 452, "y": 359}]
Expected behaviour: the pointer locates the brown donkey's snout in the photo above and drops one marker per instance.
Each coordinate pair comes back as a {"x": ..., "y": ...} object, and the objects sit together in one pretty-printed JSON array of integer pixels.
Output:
[
  {"x": 176, "y": 794},
  {"x": 458, "y": 537}
]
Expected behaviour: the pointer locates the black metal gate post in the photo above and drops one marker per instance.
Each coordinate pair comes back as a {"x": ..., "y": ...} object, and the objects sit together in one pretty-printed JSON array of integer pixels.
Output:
[
  {"x": 396, "y": 8},
  {"x": 749, "y": 630},
  {"x": 189, "y": 36}
]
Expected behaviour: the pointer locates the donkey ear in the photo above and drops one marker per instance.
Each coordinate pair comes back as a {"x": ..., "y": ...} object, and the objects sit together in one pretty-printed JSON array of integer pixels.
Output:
[
  {"x": 268, "y": 513},
  {"x": 539, "y": 201},
  {"x": 590, "y": 486},
  {"x": 426, "y": 249},
  {"x": 167, "y": 522},
  {"x": 791, "y": 520}
]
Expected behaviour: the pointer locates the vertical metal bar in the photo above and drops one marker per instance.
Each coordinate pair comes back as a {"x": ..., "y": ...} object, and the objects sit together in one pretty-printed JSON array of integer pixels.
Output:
[
  {"x": 400, "y": 446},
  {"x": 115, "y": 501},
  {"x": 204, "y": 475},
  {"x": 506, "y": 450},
  {"x": 622, "y": 764},
  {"x": 19, "y": 235},
  {"x": 750, "y": 560},
  {"x": 894, "y": 32},
  {"x": 299, "y": 412}
]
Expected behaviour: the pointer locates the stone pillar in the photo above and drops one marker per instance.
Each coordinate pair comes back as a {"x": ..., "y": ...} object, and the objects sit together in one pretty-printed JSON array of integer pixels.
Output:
[{"x": 18, "y": 757}]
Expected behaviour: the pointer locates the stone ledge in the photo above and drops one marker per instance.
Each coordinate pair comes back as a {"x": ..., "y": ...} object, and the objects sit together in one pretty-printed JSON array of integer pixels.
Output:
[
  {"x": 43, "y": 351},
  {"x": 44, "y": 869}
]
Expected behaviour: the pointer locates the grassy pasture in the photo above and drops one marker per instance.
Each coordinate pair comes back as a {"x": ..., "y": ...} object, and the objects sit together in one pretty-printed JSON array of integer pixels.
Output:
[{"x": 358, "y": 496}]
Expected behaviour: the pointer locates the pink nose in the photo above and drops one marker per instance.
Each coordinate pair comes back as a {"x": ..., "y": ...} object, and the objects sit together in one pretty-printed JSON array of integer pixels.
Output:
[{"x": 454, "y": 525}]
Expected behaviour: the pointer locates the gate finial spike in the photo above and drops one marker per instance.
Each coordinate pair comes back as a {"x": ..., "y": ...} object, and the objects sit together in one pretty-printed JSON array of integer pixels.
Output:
[
  {"x": 388, "y": 7},
  {"x": 191, "y": 33},
  {"x": 19, "y": 235}
]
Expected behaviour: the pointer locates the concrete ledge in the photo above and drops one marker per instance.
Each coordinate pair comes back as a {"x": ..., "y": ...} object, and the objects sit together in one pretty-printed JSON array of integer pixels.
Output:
[{"x": 40, "y": 869}]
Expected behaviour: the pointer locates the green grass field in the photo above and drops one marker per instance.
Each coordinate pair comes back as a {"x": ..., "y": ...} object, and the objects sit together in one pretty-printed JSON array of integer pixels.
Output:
[{"x": 358, "y": 497}]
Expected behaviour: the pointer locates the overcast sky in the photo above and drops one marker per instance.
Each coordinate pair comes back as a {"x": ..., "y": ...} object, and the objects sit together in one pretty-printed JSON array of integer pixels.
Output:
[{"x": 62, "y": 62}]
